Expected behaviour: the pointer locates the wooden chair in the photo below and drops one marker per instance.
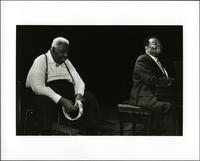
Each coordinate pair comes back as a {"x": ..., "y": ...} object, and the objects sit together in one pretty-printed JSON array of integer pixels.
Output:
[
  {"x": 128, "y": 112},
  {"x": 25, "y": 112},
  {"x": 28, "y": 122}
]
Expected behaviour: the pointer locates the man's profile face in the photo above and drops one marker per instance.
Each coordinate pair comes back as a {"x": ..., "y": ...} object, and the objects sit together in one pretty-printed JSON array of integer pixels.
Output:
[
  {"x": 154, "y": 47},
  {"x": 61, "y": 52}
]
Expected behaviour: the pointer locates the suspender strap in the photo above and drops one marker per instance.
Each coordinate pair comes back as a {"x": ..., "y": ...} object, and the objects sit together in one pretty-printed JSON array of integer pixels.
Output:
[
  {"x": 46, "y": 71},
  {"x": 69, "y": 72}
]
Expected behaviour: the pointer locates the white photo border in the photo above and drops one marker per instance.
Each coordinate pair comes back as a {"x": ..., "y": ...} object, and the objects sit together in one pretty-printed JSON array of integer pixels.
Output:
[{"x": 184, "y": 13}]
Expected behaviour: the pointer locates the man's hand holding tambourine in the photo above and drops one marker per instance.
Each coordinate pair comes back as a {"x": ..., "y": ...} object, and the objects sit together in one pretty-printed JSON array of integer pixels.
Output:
[
  {"x": 67, "y": 104},
  {"x": 68, "y": 108}
]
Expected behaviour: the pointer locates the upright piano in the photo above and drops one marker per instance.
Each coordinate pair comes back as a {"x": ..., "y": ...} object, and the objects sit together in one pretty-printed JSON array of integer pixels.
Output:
[{"x": 174, "y": 94}]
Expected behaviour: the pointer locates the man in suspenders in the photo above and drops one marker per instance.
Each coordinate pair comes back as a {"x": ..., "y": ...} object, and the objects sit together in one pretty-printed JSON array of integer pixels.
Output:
[
  {"x": 56, "y": 83},
  {"x": 148, "y": 73}
]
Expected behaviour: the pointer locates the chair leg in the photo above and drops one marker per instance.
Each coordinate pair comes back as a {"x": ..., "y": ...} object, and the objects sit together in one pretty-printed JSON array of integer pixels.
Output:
[
  {"x": 121, "y": 127},
  {"x": 146, "y": 129},
  {"x": 70, "y": 130},
  {"x": 148, "y": 126},
  {"x": 176, "y": 123},
  {"x": 133, "y": 128},
  {"x": 25, "y": 122},
  {"x": 58, "y": 123}
]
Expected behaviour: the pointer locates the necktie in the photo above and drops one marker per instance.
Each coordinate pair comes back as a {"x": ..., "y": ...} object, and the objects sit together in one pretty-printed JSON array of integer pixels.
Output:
[{"x": 162, "y": 68}]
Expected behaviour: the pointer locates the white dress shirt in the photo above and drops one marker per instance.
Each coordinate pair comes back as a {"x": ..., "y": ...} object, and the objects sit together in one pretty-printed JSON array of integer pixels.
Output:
[
  {"x": 36, "y": 76},
  {"x": 159, "y": 64}
]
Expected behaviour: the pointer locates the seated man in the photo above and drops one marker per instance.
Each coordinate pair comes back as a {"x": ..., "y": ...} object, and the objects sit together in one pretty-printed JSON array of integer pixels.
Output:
[
  {"x": 148, "y": 74},
  {"x": 56, "y": 83}
]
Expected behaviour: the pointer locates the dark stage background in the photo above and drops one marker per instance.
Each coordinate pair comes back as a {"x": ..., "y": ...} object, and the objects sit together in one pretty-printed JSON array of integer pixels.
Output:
[{"x": 104, "y": 56}]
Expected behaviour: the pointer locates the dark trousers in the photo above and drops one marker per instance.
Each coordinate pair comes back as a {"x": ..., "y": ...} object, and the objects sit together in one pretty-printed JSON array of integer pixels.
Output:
[
  {"x": 164, "y": 124},
  {"x": 47, "y": 110}
]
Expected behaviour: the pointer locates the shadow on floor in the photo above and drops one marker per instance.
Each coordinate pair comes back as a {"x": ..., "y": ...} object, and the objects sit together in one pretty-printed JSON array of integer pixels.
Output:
[{"x": 109, "y": 125}]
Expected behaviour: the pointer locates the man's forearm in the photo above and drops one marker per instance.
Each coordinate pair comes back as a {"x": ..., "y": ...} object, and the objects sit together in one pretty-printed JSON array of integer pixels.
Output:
[
  {"x": 36, "y": 82},
  {"x": 46, "y": 91}
]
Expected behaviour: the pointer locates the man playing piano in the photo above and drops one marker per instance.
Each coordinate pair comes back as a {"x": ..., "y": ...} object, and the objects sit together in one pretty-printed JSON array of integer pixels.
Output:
[{"x": 147, "y": 76}]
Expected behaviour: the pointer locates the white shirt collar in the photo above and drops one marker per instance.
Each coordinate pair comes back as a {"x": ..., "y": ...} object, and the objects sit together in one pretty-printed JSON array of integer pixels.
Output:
[{"x": 50, "y": 58}]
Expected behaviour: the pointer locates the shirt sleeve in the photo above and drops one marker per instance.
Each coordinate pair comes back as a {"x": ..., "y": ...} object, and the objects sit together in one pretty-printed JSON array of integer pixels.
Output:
[
  {"x": 79, "y": 85},
  {"x": 36, "y": 79}
]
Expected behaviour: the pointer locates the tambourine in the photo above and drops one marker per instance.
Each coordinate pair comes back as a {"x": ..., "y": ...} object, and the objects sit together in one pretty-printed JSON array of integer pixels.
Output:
[{"x": 69, "y": 117}]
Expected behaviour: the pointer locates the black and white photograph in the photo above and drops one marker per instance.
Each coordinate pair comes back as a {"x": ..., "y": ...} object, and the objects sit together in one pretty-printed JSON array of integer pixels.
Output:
[{"x": 100, "y": 80}]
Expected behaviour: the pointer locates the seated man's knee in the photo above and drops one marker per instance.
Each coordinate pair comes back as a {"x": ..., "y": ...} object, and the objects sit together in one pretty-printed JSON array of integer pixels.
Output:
[
  {"x": 90, "y": 98},
  {"x": 167, "y": 107},
  {"x": 162, "y": 108},
  {"x": 89, "y": 95},
  {"x": 91, "y": 104}
]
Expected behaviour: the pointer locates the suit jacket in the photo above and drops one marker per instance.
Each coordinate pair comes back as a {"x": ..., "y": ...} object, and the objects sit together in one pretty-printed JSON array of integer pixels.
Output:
[{"x": 146, "y": 76}]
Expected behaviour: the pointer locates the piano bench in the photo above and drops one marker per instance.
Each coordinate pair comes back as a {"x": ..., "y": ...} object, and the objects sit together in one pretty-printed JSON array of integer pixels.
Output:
[{"x": 135, "y": 115}]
